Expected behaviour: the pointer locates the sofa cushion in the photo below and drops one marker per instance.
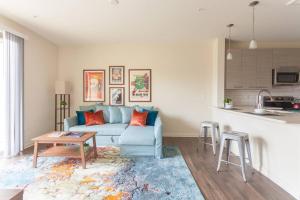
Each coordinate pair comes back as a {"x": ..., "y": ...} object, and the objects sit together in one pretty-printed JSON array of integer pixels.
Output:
[
  {"x": 105, "y": 111},
  {"x": 105, "y": 129},
  {"x": 126, "y": 114},
  {"x": 115, "y": 115},
  {"x": 140, "y": 108},
  {"x": 89, "y": 107},
  {"x": 138, "y": 135}
]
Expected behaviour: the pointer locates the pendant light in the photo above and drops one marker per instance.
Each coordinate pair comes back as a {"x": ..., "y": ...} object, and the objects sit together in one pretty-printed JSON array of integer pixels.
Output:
[
  {"x": 253, "y": 43},
  {"x": 229, "y": 54}
]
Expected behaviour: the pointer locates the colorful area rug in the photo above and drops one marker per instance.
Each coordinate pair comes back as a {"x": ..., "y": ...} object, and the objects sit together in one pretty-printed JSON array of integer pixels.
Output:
[{"x": 109, "y": 177}]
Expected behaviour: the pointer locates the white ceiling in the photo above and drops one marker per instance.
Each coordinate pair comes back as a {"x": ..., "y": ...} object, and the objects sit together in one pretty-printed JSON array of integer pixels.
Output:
[{"x": 69, "y": 22}]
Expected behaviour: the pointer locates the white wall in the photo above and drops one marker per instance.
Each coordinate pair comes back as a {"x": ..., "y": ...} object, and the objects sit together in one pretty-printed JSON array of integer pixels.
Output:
[
  {"x": 40, "y": 67},
  {"x": 181, "y": 76}
]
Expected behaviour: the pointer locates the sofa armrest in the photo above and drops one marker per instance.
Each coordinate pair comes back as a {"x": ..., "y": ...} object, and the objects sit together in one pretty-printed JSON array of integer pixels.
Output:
[
  {"x": 158, "y": 133},
  {"x": 69, "y": 122}
]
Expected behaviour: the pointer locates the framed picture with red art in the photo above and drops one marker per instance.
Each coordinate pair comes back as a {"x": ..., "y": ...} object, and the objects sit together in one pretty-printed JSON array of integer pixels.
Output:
[
  {"x": 93, "y": 85},
  {"x": 140, "y": 85}
]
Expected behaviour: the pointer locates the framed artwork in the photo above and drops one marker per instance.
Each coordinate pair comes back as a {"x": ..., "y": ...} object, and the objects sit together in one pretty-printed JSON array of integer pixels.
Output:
[
  {"x": 93, "y": 85},
  {"x": 116, "y": 75},
  {"x": 116, "y": 96},
  {"x": 140, "y": 85}
]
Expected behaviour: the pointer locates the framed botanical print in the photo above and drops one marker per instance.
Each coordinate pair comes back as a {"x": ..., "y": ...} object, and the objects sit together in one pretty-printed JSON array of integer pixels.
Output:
[
  {"x": 116, "y": 75},
  {"x": 116, "y": 96},
  {"x": 140, "y": 85},
  {"x": 94, "y": 85}
]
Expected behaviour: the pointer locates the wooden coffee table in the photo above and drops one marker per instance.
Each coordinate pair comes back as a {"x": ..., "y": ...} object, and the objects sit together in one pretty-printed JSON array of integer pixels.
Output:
[{"x": 64, "y": 150}]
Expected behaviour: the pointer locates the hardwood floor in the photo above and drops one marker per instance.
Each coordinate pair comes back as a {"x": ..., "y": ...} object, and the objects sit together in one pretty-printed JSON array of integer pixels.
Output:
[{"x": 227, "y": 184}]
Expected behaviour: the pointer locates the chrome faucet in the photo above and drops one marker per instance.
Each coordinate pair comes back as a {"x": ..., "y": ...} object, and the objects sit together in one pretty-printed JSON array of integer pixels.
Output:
[{"x": 260, "y": 103}]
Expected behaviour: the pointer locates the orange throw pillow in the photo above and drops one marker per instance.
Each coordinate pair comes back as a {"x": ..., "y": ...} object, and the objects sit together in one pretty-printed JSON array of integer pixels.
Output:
[
  {"x": 138, "y": 118},
  {"x": 94, "y": 118}
]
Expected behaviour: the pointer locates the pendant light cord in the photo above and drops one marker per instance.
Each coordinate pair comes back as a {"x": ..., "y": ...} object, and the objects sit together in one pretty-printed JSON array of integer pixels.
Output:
[
  {"x": 229, "y": 39},
  {"x": 253, "y": 21}
]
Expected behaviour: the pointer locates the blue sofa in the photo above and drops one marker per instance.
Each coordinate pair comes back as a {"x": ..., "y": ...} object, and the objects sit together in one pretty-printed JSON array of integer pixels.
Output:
[{"x": 132, "y": 140}]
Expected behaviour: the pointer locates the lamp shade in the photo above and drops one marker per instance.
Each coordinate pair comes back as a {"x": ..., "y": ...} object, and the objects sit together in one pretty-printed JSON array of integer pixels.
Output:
[
  {"x": 253, "y": 44},
  {"x": 229, "y": 56},
  {"x": 62, "y": 87}
]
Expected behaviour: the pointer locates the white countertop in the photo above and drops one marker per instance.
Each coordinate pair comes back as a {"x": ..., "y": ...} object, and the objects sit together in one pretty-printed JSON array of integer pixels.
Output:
[{"x": 281, "y": 116}]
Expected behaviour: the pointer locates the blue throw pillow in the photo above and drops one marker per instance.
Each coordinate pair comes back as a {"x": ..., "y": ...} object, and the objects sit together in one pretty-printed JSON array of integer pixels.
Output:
[
  {"x": 126, "y": 114},
  {"x": 115, "y": 115},
  {"x": 80, "y": 117},
  {"x": 151, "y": 117}
]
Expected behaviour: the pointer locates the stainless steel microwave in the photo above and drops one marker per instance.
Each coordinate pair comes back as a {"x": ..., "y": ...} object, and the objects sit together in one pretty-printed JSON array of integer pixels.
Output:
[{"x": 286, "y": 76}]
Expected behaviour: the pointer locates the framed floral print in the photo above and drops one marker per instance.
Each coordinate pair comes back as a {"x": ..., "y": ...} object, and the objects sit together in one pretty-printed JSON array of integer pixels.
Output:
[
  {"x": 140, "y": 85},
  {"x": 116, "y": 75},
  {"x": 94, "y": 85},
  {"x": 116, "y": 96}
]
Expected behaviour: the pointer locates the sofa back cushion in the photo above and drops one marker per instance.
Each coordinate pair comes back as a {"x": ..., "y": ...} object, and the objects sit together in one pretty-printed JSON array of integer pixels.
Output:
[
  {"x": 140, "y": 108},
  {"x": 89, "y": 107},
  {"x": 115, "y": 115},
  {"x": 126, "y": 114},
  {"x": 106, "y": 112}
]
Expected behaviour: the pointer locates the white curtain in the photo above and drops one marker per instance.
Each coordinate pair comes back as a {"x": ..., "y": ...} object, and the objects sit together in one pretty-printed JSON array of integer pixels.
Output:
[{"x": 12, "y": 104}]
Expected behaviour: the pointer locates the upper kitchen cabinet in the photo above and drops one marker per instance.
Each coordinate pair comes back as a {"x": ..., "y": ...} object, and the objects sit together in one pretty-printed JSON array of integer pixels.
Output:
[
  {"x": 234, "y": 80},
  {"x": 286, "y": 57},
  {"x": 264, "y": 68},
  {"x": 249, "y": 69}
]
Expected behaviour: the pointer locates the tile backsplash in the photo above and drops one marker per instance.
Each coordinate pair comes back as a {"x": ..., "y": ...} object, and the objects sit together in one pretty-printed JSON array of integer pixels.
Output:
[{"x": 248, "y": 97}]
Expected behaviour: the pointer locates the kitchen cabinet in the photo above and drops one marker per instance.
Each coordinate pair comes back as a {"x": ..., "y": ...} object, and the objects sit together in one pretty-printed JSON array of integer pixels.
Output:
[
  {"x": 249, "y": 69},
  {"x": 234, "y": 79}
]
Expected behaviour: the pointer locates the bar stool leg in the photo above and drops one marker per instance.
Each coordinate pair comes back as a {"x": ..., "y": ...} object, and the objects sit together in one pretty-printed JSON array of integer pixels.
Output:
[
  {"x": 227, "y": 150},
  {"x": 241, "y": 145},
  {"x": 220, "y": 154},
  {"x": 213, "y": 138},
  {"x": 219, "y": 134},
  {"x": 249, "y": 153},
  {"x": 199, "y": 139},
  {"x": 205, "y": 134}
]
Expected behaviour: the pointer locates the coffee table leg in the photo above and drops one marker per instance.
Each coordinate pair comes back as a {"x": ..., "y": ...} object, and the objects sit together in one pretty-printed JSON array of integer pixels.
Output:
[
  {"x": 94, "y": 147},
  {"x": 82, "y": 155},
  {"x": 35, "y": 154}
]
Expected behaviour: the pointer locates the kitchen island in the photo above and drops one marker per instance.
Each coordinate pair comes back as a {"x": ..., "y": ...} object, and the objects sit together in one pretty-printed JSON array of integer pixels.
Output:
[{"x": 274, "y": 140}]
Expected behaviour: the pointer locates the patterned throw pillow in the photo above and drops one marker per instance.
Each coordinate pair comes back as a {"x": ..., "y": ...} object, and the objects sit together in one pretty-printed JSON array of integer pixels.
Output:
[
  {"x": 92, "y": 118},
  {"x": 138, "y": 118}
]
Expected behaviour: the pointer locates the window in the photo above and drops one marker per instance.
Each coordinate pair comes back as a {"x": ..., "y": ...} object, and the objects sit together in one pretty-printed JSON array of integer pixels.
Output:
[{"x": 1, "y": 96}]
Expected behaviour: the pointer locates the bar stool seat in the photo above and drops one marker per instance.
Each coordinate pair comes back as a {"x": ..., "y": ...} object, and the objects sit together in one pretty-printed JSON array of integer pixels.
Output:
[
  {"x": 243, "y": 141},
  {"x": 215, "y": 132}
]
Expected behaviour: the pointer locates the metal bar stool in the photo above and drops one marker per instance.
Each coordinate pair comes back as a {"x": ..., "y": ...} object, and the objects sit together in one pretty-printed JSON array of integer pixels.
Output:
[
  {"x": 214, "y": 131},
  {"x": 242, "y": 140}
]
